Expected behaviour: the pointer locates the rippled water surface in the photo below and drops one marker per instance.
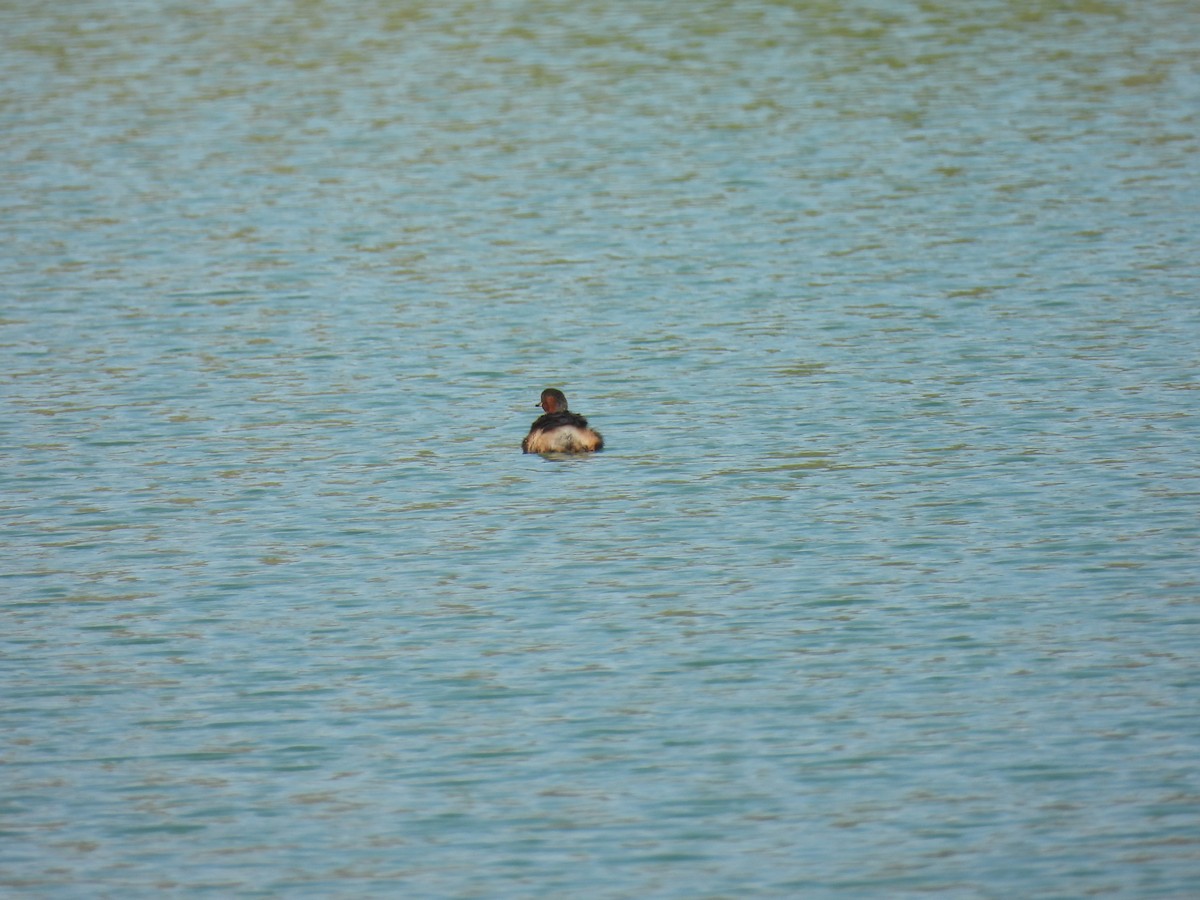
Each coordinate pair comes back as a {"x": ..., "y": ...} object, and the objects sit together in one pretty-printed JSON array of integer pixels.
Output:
[{"x": 886, "y": 584}]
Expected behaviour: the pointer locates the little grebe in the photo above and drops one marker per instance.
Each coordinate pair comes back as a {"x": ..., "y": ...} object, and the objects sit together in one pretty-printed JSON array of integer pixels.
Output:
[{"x": 560, "y": 430}]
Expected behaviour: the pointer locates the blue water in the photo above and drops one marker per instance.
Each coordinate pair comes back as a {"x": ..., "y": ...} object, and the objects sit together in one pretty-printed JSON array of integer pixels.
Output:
[{"x": 885, "y": 585}]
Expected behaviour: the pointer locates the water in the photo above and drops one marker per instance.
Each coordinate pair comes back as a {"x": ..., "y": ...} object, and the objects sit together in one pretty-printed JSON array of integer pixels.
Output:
[{"x": 886, "y": 585}]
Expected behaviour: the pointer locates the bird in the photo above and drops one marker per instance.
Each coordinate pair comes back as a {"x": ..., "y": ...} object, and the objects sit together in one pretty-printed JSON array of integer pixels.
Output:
[{"x": 558, "y": 430}]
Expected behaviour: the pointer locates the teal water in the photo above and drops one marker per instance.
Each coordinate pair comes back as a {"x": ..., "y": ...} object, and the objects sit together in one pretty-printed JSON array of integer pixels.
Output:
[{"x": 885, "y": 586}]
